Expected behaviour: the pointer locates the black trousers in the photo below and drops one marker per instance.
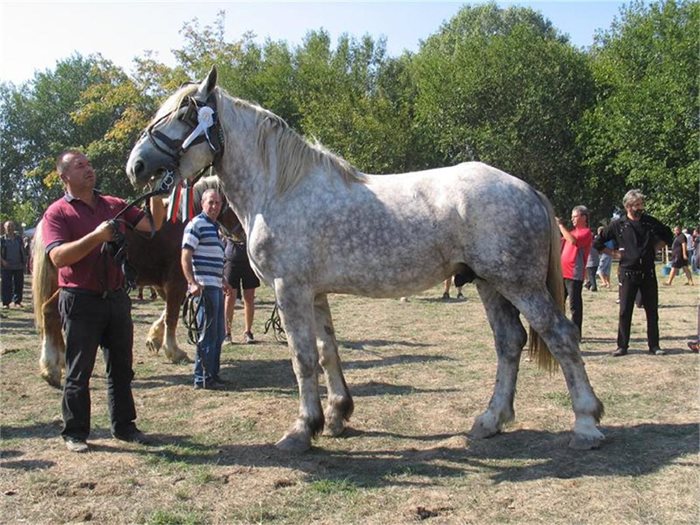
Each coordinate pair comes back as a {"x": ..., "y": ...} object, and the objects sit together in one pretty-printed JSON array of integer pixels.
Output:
[
  {"x": 12, "y": 286},
  {"x": 90, "y": 321},
  {"x": 574, "y": 292},
  {"x": 645, "y": 283}
]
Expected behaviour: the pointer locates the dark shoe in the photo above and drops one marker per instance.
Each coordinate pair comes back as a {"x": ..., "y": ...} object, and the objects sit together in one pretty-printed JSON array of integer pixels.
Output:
[
  {"x": 619, "y": 352},
  {"x": 75, "y": 444},
  {"x": 249, "y": 339},
  {"x": 657, "y": 351},
  {"x": 136, "y": 436},
  {"x": 212, "y": 384}
]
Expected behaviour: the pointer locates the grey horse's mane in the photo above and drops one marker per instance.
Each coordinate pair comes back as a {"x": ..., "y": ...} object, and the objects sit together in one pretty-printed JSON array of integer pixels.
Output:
[{"x": 296, "y": 157}]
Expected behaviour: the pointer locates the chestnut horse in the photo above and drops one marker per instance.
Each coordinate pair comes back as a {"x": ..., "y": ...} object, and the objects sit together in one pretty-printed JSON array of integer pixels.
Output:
[{"x": 157, "y": 263}]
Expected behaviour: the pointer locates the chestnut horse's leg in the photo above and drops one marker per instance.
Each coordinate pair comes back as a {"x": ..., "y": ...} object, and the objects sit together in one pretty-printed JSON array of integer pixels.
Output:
[
  {"x": 53, "y": 349},
  {"x": 174, "y": 295},
  {"x": 154, "y": 339}
]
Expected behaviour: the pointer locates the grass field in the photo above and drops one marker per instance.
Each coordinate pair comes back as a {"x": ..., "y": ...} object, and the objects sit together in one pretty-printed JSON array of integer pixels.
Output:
[{"x": 419, "y": 371}]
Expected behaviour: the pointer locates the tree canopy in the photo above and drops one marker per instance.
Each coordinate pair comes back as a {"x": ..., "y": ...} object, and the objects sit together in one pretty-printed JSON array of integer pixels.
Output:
[{"x": 503, "y": 86}]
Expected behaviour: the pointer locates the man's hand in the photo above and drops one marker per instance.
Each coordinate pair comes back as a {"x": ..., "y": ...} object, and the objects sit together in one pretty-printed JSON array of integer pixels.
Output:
[
  {"x": 194, "y": 289},
  {"x": 105, "y": 231}
]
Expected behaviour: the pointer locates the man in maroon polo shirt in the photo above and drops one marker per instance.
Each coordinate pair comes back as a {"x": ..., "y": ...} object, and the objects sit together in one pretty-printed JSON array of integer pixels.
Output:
[{"x": 94, "y": 307}]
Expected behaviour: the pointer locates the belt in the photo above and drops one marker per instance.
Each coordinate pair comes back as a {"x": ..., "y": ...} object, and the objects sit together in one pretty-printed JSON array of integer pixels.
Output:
[{"x": 107, "y": 294}]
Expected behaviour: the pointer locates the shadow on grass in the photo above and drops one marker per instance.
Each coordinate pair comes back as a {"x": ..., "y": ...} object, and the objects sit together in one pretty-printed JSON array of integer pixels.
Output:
[
  {"x": 263, "y": 374},
  {"x": 378, "y": 343},
  {"x": 517, "y": 456}
]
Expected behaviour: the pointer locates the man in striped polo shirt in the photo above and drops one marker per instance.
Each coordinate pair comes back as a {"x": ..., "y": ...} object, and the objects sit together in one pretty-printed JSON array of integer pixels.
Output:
[{"x": 203, "y": 265}]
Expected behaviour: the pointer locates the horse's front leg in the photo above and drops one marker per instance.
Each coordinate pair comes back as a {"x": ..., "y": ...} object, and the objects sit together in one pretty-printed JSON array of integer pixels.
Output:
[
  {"x": 296, "y": 311},
  {"x": 154, "y": 339},
  {"x": 510, "y": 338},
  {"x": 173, "y": 300},
  {"x": 53, "y": 348},
  {"x": 340, "y": 404}
]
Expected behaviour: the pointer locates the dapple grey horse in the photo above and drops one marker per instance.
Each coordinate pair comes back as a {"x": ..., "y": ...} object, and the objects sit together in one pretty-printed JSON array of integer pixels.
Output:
[{"x": 316, "y": 225}]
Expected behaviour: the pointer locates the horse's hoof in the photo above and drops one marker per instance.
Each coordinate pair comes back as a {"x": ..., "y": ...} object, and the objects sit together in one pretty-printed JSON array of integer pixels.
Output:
[
  {"x": 579, "y": 442},
  {"x": 481, "y": 430},
  {"x": 54, "y": 381},
  {"x": 181, "y": 359},
  {"x": 333, "y": 428},
  {"x": 293, "y": 444},
  {"x": 152, "y": 347}
]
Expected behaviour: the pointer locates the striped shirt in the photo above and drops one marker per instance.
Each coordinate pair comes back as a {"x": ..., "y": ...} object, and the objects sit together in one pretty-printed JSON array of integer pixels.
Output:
[{"x": 202, "y": 237}]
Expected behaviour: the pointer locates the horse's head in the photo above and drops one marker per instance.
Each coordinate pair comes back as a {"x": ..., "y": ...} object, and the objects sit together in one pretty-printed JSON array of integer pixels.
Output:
[{"x": 182, "y": 139}]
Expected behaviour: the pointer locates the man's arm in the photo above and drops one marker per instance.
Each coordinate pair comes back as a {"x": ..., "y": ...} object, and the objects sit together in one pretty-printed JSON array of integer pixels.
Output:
[
  {"x": 566, "y": 233},
  {"x": 158, "y": 213},
  {"x": 71, "y": 252},
  {"x": 193, "y": 286}
]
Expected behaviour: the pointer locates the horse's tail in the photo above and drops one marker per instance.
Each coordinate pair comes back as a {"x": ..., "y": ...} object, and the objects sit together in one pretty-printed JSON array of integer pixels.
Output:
[
  {"x": 555, "y": 284},
  {"x": 44, "y": 278}
]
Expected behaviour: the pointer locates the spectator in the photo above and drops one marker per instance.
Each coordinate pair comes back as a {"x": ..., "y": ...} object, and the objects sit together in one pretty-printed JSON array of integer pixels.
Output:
[
  {"x": 605, "y": 261},
  {"x": 243, "y": 282},
  {"x": 13, "y": 259},
  {"x": 95, "y": 309},
  {"x": 575, "y": 249},
  {"x": 203, "y": 265},
  {"x": 446, "y": 293},
  {"x": 592, "y": 269},
  {"x": 679, "y": 257},
  {"x": 637, "y": 236}
]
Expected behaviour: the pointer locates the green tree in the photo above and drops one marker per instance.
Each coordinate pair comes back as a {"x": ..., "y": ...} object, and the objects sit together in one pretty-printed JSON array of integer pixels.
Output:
[
  {"x": 643, "y": 131},
  {"x": 504, "y": 87},
  {"x": 37, "y": 121}
]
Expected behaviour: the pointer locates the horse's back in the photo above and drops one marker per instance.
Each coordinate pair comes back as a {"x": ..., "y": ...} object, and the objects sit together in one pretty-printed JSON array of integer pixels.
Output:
[{"x": 399, "y": 234}]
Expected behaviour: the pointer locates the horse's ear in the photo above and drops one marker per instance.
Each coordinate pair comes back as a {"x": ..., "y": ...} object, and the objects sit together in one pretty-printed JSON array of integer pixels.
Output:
[{"x": 208, "y": 84}]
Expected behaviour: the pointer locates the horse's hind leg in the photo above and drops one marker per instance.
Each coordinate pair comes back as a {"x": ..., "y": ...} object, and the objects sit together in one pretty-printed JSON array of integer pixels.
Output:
[
  {"x": 53, "y": 349},
  {"x": 510, "y": 338},
  {"x": 561, "y": 337},
  {"x": 296, "y": 310},
  {"x": 340, "y": 404}
]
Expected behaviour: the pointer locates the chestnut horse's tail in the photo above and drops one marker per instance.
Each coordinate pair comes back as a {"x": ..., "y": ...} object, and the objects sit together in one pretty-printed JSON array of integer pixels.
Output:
[
  {"x": 555, "y": 284},
  {"x": 44, "y": 278}
]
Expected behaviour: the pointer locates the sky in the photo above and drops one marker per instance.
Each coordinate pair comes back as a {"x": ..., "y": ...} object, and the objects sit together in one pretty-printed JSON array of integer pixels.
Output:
[{"x": 34, "y": 35}]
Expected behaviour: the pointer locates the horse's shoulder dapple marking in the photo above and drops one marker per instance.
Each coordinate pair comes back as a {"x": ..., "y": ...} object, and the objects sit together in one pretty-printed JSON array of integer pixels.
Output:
[{"x": 316, "y": 226}]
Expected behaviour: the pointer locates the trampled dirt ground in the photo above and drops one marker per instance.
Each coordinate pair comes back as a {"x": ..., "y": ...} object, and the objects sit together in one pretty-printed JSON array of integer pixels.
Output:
[{"x": 419, "y": 371}]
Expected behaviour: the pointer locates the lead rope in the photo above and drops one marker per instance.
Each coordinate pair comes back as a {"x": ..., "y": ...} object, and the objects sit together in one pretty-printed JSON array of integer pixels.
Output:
[{"x": 191, "y": 307}]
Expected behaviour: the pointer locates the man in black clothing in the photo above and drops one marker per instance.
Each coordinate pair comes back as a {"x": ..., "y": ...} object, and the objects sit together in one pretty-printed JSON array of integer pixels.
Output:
[{"x": 637, "y": 236}]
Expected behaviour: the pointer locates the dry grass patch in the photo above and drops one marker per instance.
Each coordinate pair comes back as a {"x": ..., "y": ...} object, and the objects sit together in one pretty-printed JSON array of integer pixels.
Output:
[{"x": 419, "y": 371}]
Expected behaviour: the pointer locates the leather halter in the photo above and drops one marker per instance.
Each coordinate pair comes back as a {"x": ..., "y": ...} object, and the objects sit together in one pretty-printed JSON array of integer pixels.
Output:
[{"x": 173, "y": 148}]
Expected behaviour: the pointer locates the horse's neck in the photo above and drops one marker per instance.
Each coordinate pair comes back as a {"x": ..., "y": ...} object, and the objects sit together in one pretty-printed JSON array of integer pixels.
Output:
[{"x": 242, "y": 168}]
